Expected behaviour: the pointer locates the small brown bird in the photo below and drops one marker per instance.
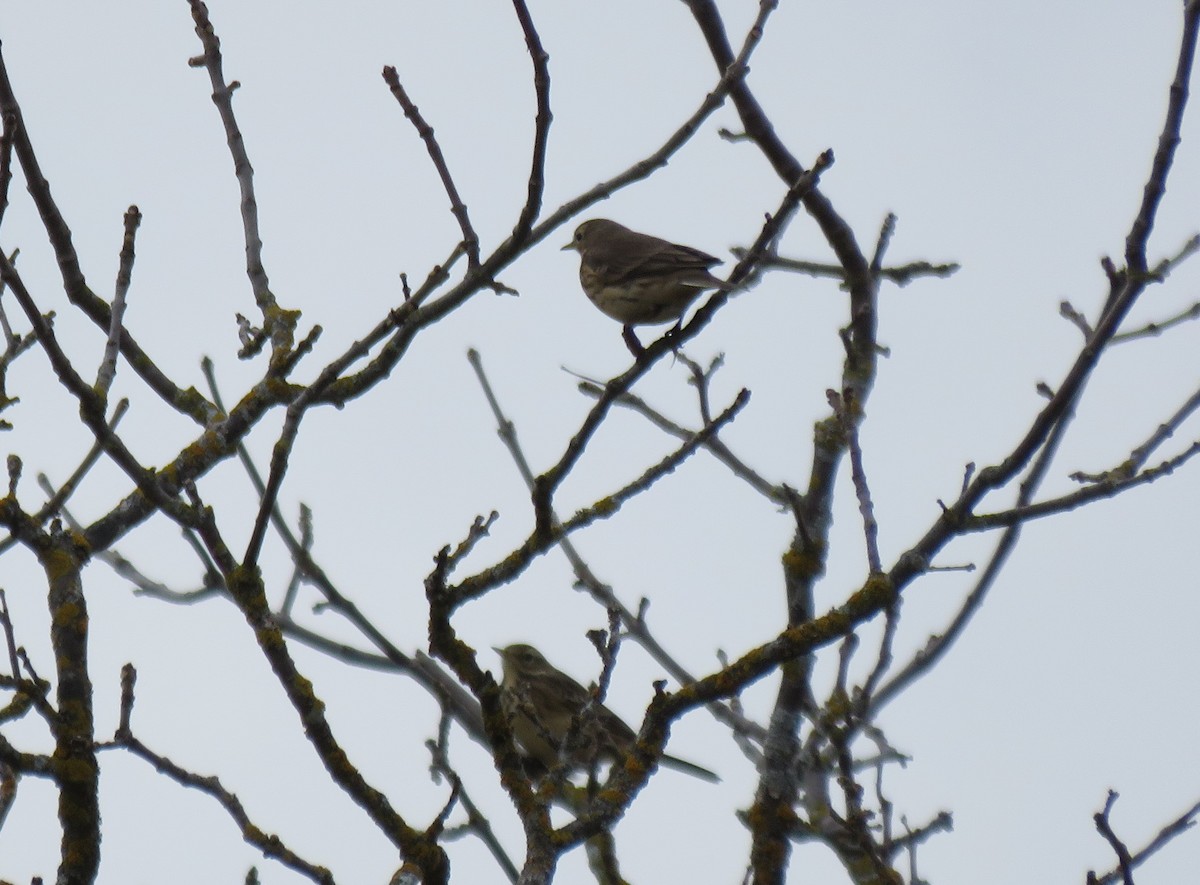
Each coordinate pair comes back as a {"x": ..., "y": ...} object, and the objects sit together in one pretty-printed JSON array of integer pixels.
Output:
[
  {"x": 542, "y": 702},
  {"x": 638, "y": 279}
]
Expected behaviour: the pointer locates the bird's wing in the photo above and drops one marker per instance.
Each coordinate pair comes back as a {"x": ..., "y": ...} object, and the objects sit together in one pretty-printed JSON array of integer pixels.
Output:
[
  {"x": 564, "y": 698},
  {"x": 671, "y": 259},
  {"x": 632, "y": 256}
]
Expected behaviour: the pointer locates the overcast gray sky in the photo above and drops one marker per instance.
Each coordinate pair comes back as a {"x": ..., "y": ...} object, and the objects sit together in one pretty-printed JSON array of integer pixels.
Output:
[{"x": 1013, "y": 138}]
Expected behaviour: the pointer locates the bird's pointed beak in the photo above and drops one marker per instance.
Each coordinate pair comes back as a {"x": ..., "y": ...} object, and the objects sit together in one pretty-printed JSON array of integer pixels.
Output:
[
  {"x": 570, "y": 247},
  {"x": 498, "y": 651}
]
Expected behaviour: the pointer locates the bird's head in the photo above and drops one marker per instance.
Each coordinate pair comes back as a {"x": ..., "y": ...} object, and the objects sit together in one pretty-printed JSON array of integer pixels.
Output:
[
  {"x": 590, "y": 231},
  {"x": 522, "y": 661}
]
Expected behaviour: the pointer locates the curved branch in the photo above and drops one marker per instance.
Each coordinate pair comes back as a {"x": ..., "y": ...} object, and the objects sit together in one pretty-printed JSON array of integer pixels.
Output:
[{"x": 222, "y": 97}]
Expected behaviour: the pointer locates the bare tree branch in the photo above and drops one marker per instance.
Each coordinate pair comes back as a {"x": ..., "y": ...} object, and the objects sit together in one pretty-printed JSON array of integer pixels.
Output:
[{"x": 108, "y": 367}]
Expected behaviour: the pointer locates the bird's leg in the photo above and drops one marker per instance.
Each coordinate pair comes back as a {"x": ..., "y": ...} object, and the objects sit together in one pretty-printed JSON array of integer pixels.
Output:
[
  {"x": 631, "y": 341},
  {"x": 671, "y": 335}
]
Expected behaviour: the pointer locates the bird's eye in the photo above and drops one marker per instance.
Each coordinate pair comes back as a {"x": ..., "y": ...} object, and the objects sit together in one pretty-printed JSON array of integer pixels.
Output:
[{"x": 578, "y": 236}]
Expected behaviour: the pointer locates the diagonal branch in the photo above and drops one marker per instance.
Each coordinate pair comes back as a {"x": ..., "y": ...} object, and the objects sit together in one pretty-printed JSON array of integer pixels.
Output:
[
  {"x": 91, "y": 405},
  {"x": 716, "y": 446},
  {"x": 458, "y": 208},
  {"x": 108, "y": 366},
  {"x": 541, "y": 132},
  {"x": 1181, "y": 824},
  {"x": 9, "y": 121},
  {"x": 268, "y": 843},
  {"x": 187, "y": 402},
  {"x": 222, "y": 97},
  {"x": 545, "y": 537},
  {"x": 1168, "y": 142}
]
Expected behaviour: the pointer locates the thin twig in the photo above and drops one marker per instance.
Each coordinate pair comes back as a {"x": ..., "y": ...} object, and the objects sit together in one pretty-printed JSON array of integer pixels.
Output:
[
  {"x": 1124, "y": 861},
  {"x": 269, "y": 844},
  {"x": 1138, "y": 457},
  {"x": 10, "y": 639},
  {"x": 716, "y": 446},
  {"x": 477, "y": 821},
  {"x": 543, "y": 539},
  {"x": 843, "y": 406},
  {"x": 1181, "y": 824},
  {"x": 58, "y": 498},
  {"x": 222, "y": 97},
  {"x": 541, "y": 132},
  {"x": 901, "y": 274},
  {"x": 6, "y": 152},
  {"x": 108, "y": 366},
  {"x": 458, "y": 208},
  {"x": 1157, "y": 327},
  {"x": 1168, "y": 142},
  {"x": 1106, "y": 487},
  {"x": 91, "y": 406},
  {"x": 186, "y": 401},
  {"x": 886, "y": 230}
]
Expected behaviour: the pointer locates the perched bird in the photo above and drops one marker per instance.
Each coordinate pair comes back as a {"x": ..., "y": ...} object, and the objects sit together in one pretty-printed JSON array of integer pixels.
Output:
[
  {"x": 541, "y": 704},
  {"x": 638, "y": 279}
]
